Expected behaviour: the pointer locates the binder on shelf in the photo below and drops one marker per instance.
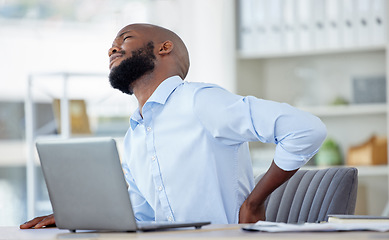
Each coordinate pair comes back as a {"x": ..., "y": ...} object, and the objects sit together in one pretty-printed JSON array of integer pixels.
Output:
[
  {"x": 333, "y": 16},
  {"x": 290, "y": 25},
  {"x": 363, "y": 25},
  {"x": 275, "y": 18},
  {"x": 304, "y": 30},
  {"x": 278, "y": 26},
  {"x": 348, "y": 24},
  {"x": 261, "y": 27},
  {"x": 246, "y": 26},
  {"x": 378, "y": 22},
  {"x": 319, "y": 27}
]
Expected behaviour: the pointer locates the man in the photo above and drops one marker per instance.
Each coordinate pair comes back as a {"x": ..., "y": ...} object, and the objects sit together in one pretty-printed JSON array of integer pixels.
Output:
[{"x": 186, "y": 155}]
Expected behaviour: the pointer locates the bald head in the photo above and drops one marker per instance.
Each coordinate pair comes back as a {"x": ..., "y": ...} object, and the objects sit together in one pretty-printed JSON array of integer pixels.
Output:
[{"x": 166, "y": 41}]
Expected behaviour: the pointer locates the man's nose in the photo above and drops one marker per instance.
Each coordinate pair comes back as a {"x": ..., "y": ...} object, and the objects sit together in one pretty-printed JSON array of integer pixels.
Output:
[{"x": 113, "y": 50}]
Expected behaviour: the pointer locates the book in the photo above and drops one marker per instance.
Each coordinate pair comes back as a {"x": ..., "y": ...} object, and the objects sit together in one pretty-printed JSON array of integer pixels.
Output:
[{"x": 357, "y": 219}]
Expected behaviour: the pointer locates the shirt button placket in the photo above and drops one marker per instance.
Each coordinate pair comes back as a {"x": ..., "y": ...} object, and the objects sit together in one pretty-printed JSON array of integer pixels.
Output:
[{"x": 156, "y": 174}]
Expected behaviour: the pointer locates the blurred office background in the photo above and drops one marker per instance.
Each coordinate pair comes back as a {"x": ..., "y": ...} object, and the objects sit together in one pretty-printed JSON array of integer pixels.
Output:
[{"x": 328, "y": 57}]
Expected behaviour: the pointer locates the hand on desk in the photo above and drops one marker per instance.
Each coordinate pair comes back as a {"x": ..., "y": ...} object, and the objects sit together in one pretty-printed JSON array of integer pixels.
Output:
[{"x": 39, "y": 222}]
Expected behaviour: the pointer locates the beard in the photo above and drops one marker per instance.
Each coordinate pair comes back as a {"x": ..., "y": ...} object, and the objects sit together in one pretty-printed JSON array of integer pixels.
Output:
[{"x": 123, "y": 76}]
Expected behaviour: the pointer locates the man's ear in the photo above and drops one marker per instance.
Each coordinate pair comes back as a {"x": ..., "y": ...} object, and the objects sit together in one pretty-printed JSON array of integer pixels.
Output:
[{"x": 166, "y": 47}]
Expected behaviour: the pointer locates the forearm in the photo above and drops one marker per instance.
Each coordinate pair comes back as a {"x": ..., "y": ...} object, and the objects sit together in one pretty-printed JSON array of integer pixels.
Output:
[{"x": 272, "y": 179}]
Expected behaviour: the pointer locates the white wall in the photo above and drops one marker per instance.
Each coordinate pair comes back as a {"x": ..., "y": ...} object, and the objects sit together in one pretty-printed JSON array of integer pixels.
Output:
[
  {"x": 207, "y": 28},
  {"x": 32, "y": 46}
]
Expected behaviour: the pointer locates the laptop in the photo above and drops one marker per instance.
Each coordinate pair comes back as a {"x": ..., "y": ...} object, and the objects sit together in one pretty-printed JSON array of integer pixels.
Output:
[{"x": 87, "y": 188}]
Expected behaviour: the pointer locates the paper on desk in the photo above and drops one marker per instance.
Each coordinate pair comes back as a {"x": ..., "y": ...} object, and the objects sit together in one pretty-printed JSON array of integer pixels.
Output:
[{"x": 316, "y": 227}]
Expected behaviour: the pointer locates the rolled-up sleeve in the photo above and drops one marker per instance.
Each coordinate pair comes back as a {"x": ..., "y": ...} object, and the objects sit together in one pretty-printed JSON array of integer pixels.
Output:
[
  {"x": 234, "y": 119},
  {"x": 298, "y": 134}
]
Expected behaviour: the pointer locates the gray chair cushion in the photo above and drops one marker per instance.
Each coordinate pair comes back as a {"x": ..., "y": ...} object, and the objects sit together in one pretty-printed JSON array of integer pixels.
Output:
[{"x": 310, "y": 195}]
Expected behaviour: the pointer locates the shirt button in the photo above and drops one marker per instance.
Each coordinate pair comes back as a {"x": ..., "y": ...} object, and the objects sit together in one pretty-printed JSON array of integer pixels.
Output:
[
  {"x": 148, "y": 129},
  {"x": 160, "y": 188},
  {"x": 153, "y": 158},
  {"x": 170, "y": 218}
]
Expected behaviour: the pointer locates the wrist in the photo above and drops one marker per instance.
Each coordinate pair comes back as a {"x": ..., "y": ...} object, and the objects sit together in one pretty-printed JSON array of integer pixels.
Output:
[{"x": 254, "y": 204}]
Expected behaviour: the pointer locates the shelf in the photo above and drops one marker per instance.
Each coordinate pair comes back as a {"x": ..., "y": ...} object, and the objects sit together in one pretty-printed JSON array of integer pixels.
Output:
[
  {"x": 253, "y": 55},
  {"x": 347, "y": 110},
  {"x": 318, "y": 76}
]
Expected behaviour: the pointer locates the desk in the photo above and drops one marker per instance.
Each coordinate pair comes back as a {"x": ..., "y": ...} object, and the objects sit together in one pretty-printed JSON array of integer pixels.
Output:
[{"x": 232, "y": 231}]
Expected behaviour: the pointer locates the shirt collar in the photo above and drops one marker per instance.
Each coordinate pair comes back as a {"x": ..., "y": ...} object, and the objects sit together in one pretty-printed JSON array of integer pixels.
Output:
[
  {"x": 160, "y": 95},
  {"x": 163, "y": 91}
]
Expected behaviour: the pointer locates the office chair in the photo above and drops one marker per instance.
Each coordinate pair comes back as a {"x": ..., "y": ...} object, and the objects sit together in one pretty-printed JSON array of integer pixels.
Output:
[{"x": 310, "y": 195}]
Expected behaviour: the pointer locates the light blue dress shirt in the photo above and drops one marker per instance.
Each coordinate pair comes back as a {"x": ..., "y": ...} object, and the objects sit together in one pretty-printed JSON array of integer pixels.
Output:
[{"x": 187, "y": 158}]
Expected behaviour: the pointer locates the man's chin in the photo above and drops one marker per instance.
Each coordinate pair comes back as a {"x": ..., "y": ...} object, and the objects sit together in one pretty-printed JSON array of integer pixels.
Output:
[{"x": 114, "y": 64}]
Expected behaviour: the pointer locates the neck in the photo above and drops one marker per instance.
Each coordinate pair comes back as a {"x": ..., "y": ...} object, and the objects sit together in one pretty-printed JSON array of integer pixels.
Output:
[{"x": 144, "y": 87}]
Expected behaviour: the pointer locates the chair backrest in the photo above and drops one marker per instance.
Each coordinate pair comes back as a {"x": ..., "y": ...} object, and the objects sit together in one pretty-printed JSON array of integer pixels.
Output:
[{"x": 310, "y": 195}]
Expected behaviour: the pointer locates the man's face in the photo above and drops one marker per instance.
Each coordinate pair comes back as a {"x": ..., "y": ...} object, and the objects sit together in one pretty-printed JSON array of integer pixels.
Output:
[
  {"x": 130, "y": 58},
  {"x": 132, "y": 68}
]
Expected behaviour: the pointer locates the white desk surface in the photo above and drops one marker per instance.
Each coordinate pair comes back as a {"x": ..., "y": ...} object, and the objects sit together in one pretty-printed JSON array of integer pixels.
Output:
[{"x": 207, "y": 232}]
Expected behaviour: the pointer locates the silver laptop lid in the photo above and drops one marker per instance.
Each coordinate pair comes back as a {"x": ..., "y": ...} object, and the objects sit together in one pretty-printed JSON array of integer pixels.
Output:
[{"x": 86, "y": 184}]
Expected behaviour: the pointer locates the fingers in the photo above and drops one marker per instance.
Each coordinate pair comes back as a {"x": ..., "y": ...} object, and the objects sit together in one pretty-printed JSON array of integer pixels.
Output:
[
  {"x": 48, "y": 221},
  {"x": 39, "y": 222},
  {"x": 32, "y": 222}
]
